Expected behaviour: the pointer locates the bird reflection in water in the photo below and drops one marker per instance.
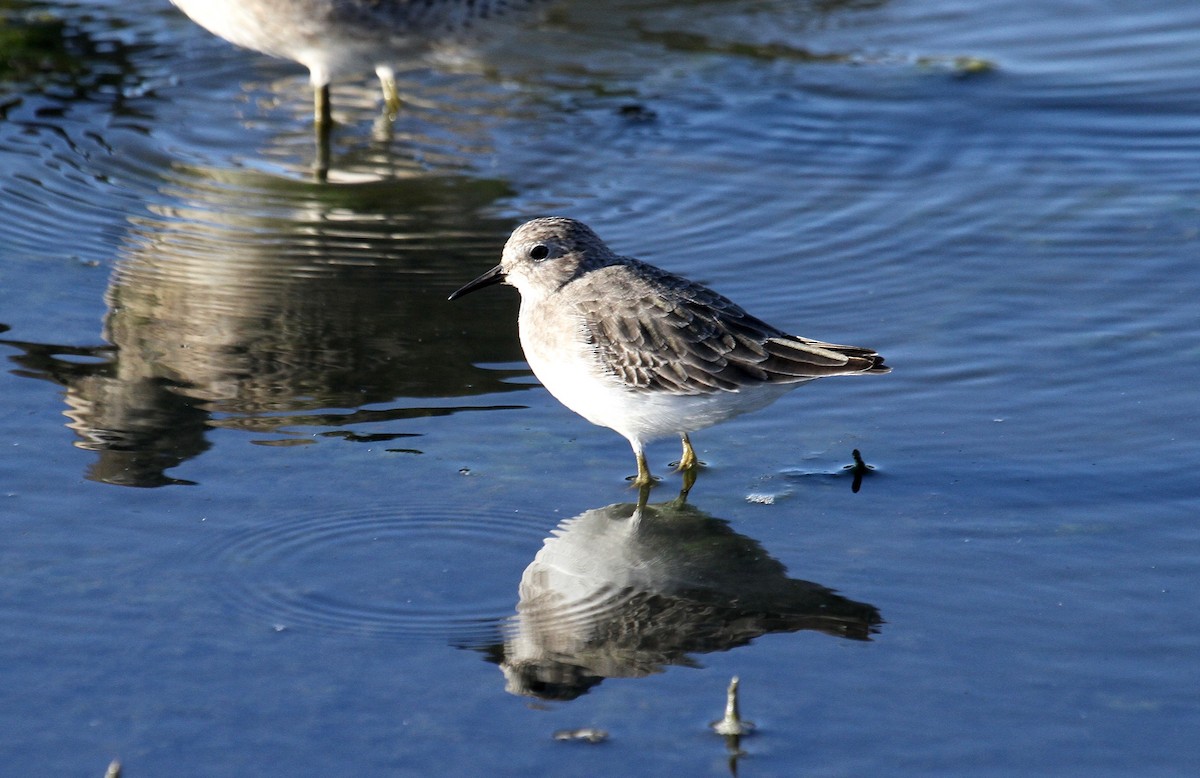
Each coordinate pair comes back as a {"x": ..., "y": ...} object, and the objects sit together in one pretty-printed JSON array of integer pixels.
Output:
[
  {"x": 626, "y": 590},
  {"x": 253, "y": 304},
  {"x": 137, "y": 424}
]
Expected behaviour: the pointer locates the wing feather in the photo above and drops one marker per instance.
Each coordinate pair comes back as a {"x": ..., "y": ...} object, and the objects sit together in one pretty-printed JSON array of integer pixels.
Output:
[{"x": 655, "y": 331}]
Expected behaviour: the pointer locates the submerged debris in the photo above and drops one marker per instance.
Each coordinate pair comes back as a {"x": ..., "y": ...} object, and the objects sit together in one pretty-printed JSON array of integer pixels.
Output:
[
  {"x": 960, "y": 66},
  {"x": 732, "y": 724},
  {"x": 584, "y": 734},
  {"x": 732, "y": 727}
]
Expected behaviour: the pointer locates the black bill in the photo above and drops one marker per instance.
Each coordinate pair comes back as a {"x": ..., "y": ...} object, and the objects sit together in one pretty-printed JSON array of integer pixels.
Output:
[{"x": 493, "y": 276}]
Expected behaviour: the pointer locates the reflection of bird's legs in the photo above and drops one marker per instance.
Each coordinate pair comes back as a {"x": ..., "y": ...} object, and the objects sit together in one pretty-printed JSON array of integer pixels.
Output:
[
  {"x": 643, "y": 496},
  {"x": 689, "y": 466},
  {"x": 323, "y": 123},
  {"x": 689, "y": 480},
  {"x": 391, "y": 96}
]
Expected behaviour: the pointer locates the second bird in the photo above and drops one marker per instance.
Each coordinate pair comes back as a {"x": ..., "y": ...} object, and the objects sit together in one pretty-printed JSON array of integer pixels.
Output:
[
  {"x": 645, "y": 352},
  {"x": 344, "y": 38}
]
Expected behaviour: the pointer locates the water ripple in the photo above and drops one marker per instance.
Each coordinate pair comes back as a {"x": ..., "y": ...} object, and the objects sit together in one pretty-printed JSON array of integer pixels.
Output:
[{"x": 427, "y": 572}]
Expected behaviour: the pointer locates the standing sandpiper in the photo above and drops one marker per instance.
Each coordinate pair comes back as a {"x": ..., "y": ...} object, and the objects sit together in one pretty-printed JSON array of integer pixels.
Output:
[
  {"x": 337, "y": 38},
  {"x": 646, "y": 352}
]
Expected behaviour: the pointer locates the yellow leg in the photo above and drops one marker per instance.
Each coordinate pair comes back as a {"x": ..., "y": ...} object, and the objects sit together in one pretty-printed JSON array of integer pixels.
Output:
[
  {"x": 643, "y": 475},
  {"x": 688, "y": 460}
]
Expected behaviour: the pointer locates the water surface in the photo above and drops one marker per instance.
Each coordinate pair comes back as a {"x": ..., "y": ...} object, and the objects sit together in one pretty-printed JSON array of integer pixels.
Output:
[{"x": 270, "y": 503}]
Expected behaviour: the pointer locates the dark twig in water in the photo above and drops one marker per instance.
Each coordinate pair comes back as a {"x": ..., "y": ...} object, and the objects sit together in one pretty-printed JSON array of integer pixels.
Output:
[{"x": 859, "y": 469}]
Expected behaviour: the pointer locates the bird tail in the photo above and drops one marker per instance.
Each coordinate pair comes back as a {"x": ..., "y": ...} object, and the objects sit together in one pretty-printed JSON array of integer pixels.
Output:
[{"x": 804, "y": 358}]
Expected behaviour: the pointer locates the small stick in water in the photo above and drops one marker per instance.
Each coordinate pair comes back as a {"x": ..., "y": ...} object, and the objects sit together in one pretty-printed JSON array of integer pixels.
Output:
[{"x": 732, "y": 724}]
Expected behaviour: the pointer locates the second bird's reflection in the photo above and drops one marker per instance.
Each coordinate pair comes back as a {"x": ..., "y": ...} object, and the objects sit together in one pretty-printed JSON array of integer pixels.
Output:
[
  {"x": 243, "y": 301},
  {"x": 626, "y": 590}
]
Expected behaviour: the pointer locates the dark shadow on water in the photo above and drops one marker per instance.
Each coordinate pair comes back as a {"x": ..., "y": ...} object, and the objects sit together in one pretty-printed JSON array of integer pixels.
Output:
[{"x": 625, "y": 591}]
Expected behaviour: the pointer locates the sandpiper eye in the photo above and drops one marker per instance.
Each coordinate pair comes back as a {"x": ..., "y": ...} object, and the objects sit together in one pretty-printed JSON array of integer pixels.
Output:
[{"x": 539, "y": 252}]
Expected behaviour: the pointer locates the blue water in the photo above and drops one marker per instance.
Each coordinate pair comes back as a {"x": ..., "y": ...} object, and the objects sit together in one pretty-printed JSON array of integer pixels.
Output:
[{"x": 269, "y": 504}]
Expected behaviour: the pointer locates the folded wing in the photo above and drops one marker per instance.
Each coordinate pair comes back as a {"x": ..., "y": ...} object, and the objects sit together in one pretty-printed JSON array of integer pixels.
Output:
[{"x": 661, "y": 332}]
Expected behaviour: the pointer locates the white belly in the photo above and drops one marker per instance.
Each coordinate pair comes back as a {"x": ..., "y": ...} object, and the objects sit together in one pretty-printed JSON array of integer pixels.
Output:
[{"x": 566, "y": 366}]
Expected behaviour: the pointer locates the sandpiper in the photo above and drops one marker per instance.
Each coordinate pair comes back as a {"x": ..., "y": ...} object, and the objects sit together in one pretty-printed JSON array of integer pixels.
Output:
[
  {"x": 339, "y": 38},
  {"x": 645, "y": 352}
]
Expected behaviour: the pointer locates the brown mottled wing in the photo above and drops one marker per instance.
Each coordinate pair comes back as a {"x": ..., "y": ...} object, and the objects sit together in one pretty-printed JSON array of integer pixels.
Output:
[{"x": 656, "y": 331}]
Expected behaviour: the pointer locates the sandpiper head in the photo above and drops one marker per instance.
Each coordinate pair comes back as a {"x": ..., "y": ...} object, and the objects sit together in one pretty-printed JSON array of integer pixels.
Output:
[{"x": 543, "y": 254}]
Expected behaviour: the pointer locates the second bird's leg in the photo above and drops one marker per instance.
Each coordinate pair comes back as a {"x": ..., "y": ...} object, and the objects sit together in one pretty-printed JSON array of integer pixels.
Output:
[
  {"x": 323, "y": 124},
  {"x": 322, "y": 113}
]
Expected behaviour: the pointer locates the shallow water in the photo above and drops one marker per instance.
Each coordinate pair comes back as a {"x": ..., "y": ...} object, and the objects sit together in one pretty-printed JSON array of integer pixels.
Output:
[{"x": 271, "y": 504}]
